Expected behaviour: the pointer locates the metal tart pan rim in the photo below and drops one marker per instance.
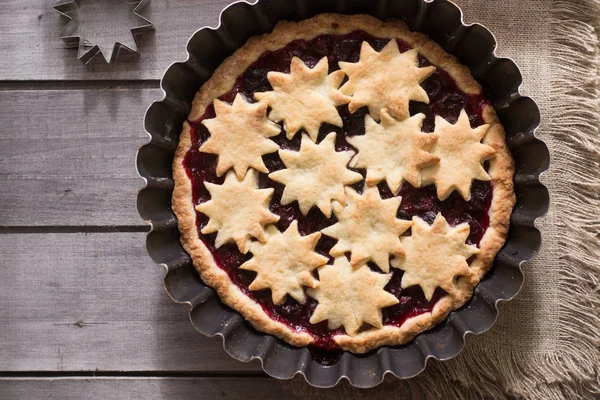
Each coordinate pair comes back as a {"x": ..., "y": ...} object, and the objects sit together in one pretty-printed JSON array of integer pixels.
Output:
[{"x": 442, "y": 20}]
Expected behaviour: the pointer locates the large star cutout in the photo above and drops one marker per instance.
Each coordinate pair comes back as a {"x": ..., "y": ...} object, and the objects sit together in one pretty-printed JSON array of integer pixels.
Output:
[
  {"x": 368, "y": 228},
  {"x": 350, "y": 296},
  {"x": 239, "y": 136},
  {"x": 102, "y": 27},
  {"x": 461, "y": 155},
  {"x": 315, "y": 175},
  {"x": 387, "y": 79},
  {"x": 238, "y": 210},
  {"x": 435, "y": 255},
  {"x": 285, "y": 263},
  {"x": 395, "y": 150},
  {"x": 305, "y": 98}
]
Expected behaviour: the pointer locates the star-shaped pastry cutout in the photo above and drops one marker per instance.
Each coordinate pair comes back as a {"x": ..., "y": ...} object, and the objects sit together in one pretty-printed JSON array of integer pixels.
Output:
[
  {"x": 435, "y": 255},
  {"x": 461, "y": 155},
  {"x": 305, "y": 98},
  {"x": 386, "y": 79},
  {"x": 238, "y": 210},
  {"x": 350, "y": 296},
  {"x": 315, "y": 175},
  {"x": 393, "y": 150},
  {"x": 368, "y": 228},
  {"x": 285, "y": 263},
  {"x": 238, "y": 135}
]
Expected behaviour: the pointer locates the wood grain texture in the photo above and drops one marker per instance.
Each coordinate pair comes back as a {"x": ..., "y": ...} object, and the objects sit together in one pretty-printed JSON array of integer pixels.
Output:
[
  {"x": 72, "y": 302},
  {"x": 67, "y": 157},
  {"x": 144, "y": 389},
  {"x": 32, "y": 50}
]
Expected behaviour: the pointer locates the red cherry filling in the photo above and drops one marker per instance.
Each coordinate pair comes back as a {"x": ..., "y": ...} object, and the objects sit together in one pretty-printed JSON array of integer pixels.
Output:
[{"x": 446, "y": 100}]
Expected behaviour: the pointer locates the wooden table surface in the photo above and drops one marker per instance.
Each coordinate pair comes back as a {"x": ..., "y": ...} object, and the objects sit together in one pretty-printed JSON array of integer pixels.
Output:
[{"x": 83, "y": 313}]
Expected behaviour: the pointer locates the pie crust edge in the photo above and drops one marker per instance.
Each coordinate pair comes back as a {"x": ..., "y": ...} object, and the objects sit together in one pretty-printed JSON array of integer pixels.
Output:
[{"x": 501, "y": 171}]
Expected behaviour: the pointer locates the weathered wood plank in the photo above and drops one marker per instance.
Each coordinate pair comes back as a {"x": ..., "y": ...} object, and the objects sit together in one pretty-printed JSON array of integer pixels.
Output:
[
  {"x": 144, "y": 388},
  {"x": 31, "y": 49},
  {"x": 71, "y": 302},
  {"x": 67, "y": 157}
]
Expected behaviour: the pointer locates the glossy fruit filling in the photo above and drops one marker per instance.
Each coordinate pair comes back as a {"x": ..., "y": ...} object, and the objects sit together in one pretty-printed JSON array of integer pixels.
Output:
[{"x": 446, "y": 100}]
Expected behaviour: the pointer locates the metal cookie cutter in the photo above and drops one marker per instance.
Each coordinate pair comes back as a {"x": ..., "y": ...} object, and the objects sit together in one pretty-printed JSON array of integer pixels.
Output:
[{"x": 101, "y": 27}]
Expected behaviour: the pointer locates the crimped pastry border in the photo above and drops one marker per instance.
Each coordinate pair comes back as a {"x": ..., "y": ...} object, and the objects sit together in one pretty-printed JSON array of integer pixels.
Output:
[{"x": 501, "y": 170}]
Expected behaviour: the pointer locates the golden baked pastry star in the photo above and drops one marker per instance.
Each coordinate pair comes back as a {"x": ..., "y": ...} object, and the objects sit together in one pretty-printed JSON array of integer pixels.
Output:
[
  {"x": 386, "y": 79},
  {"x": 238, "y": 135},
  {"x": 305, "y": 98},
  {"x": 285, "y": 263},
  {"x": 461, "y": 156},
  {"x": 315, "y": 175},
  {"x": 350, "y": 296},
  {"x": 435, "y": 255},
  {"x": 368, "y": 228},
  {"x": 393, "y": 150},
  {"x": 238, "y": 210}
]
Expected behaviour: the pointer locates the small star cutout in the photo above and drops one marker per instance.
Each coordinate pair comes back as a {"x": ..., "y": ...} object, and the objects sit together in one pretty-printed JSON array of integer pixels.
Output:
[
  {"x": 239, "y": 136},
  {"x": 368, "y": 228},
  {"x": 238, "y": 210},
  {"x": 393, "y": 150},
  {"x": 461, "y": 156},
  {"x": 350, "y": 296},
  {"x": 315, "y": 175},
  {"x": 435, "y": 255},
  {"x": 285, "y": 263},
  {"x": 102, "y": 26},
  {"x": 387, "y": 79},
  {"x": 305, "y": 98}
]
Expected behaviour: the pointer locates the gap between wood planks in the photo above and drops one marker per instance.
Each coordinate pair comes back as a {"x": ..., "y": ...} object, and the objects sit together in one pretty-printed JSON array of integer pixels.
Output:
[
  {"x": 130, "y": 374},
  {"x": 80, "y": 85},
  {"x": 73, "y": 229}
]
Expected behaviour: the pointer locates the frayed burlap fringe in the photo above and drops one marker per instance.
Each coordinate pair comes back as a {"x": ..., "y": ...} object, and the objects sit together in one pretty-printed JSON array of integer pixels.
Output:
[
  {"x": 571, "y": 371},
  {"x": 575, "y": 127}
]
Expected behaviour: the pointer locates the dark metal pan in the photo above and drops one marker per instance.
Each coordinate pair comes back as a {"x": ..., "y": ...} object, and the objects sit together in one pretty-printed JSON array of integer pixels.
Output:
[{"x": 474, "y": 45}]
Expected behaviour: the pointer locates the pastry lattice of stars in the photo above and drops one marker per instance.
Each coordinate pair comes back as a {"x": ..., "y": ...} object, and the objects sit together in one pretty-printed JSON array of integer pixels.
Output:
[{"x": 367, "y": 229}]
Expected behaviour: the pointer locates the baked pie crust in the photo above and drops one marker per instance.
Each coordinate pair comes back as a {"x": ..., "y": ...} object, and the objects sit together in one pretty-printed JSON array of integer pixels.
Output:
[
  {"x": 236, "y": 151},
  {"x": 308, "y": 182},
  {"x": 368, "y": 229},
  {"x": 357, "y": 301},
  {"x": 284, "y": 264},
  {"x": 372, "y": 239},
  {"x": 394, "y": 151},
  {"x": 386, "y": 79},
  {"x": 305, "y": 98},
  {"x": 238, "y": 221}
]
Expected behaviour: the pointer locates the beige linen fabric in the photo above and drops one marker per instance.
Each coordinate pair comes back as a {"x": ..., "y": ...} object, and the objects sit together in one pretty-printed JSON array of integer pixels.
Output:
[{"x": 546, "y": 341}]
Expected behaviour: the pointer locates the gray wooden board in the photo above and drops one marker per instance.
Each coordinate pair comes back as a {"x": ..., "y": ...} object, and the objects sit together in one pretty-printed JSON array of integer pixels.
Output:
[
  {"x": 144, "y": 388},
  {"x": 67, "y": 157},
  {"x": 31, "y": 49},
  {"x": 77, "y": 301}
]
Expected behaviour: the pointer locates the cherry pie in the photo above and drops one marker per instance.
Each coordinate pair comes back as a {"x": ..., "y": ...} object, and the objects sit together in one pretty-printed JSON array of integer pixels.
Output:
[{"x": 342, "y": 183}]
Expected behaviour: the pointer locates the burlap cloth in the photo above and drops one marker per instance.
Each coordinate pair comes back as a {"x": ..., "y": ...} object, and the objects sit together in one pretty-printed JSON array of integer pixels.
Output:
[{"x": 546, "y": 341}]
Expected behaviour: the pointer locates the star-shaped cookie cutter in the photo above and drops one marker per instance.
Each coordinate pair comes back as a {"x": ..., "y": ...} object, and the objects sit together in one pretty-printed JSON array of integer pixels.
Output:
[{"x": 88, "y": 49}]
